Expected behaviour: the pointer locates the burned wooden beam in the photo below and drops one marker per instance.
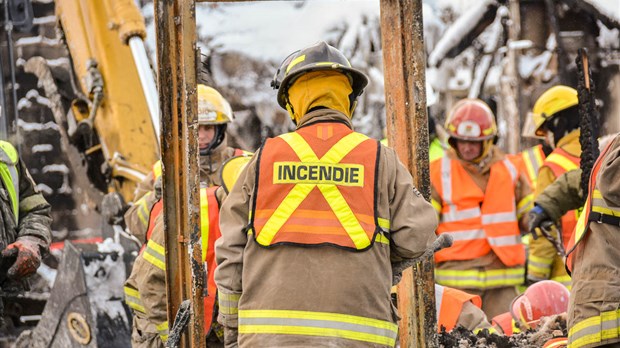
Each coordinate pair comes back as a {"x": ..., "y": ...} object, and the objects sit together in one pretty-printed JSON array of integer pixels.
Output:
[
  {"x": 176, "y": 61},
  {"x": 405, "y": 104}
]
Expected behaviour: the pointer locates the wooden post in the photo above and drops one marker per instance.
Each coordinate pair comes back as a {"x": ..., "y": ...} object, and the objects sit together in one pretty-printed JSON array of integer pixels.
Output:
[
  {"x": 405, "y": 104},
  {"x": 510, "y": 83},
  {"x": 176, "y": 60}
]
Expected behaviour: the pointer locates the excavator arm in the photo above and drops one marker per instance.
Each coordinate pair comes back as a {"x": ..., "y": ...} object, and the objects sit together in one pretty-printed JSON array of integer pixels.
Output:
[{"x": 110, "y": 118}]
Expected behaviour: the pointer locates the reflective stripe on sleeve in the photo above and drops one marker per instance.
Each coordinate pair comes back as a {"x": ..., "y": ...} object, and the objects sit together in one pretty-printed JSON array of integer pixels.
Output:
[
  {"x": 539, "y": 265},
  {"x": 565, "y": 280},
  {"x": 228, "y": 303},
  {"x": 599, "y": 205},
  {"x": 525, "y": 205},
  {"x": 155, "y": 254},
  {"x": 595, "y": 330},
  {"x": 162, "y": 329},
  {"x": 132, "y": 298},
  {"x": 143, "y": 212},
  {"x": 480, "y": 278},
  {"x": 319, "y": 324}
]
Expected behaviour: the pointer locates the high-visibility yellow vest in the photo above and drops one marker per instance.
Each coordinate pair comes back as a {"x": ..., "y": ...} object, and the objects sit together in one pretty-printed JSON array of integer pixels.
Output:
[{"x": 9, "y": 175}]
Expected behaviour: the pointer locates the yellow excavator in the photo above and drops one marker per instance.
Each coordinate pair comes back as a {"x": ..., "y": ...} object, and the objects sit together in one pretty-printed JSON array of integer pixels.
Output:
[{"x": 79, "y": 101}]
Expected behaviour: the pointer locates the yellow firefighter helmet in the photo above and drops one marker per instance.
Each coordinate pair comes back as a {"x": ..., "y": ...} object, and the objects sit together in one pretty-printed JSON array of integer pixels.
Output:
[
  {"x": 554, "y": 100},
  {"x": 213, "y": 109}
]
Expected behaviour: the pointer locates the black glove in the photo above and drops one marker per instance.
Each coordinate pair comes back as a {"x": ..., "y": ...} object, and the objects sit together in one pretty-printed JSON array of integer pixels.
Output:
[{"x": 536, "y": 218}]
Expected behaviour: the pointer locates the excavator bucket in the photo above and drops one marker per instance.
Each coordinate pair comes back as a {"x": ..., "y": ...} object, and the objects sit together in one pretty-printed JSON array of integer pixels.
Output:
[{"x": 86, "y": 306}]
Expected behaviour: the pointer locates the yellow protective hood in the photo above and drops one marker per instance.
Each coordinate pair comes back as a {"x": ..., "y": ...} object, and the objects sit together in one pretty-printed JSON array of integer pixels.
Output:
[{"x": 328, "y": 89}]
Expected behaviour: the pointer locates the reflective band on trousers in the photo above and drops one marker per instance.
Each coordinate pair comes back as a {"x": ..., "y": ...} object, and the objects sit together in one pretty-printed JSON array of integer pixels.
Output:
[
  {"x": 480, "y": 278},
  {"x": 595, "y": 330},
  {"x": 320, "y": 324}
]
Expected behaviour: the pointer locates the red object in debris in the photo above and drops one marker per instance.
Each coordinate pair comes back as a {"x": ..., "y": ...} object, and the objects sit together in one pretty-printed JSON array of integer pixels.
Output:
[
  {"x": 503, "y": 322},
  {"x": 542, "y": 299},
  {"x": 61, "y": 245}
]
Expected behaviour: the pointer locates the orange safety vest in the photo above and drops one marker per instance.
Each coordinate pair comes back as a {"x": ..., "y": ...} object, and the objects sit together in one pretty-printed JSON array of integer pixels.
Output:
[
  {"x": 155, "y": 211},
  {"x": 478, "y": 222},
  {"x": 316, "y": 186},
  {"x": 210, "y": 232},
  {"x": 560, "y": 162},
  {"x": 449, "y": 302},
  {"x": 596, "y": 209}
]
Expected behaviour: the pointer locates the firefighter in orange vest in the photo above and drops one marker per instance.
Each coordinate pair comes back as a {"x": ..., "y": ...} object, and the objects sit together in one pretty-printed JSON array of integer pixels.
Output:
[
  {"x": 146, "y": 284},
  {"x": 594, "y": 259},
  {"x": 476, "y": 190},
  {"x": 556, "y": 117},
  {"x": 458, "y": 308},
  {"x": 314, "y": 222},
  {"x": 214, "y": 114}
]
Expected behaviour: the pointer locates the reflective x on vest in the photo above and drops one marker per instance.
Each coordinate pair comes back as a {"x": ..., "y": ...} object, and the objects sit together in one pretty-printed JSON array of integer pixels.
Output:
[
  {"x": 303, "y": 199},
  {"x": 8, "y": 174},
  {"x": 478, "y": 222},
  {"x": 596, "y": 209}
]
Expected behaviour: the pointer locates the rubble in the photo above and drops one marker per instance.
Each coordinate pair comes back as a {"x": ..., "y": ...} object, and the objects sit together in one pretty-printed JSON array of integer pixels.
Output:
[{"x": 549, "y": 327}]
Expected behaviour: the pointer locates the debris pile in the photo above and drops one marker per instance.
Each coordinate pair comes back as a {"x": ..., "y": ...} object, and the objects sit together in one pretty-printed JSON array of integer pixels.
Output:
[{"x": 549, "y": 328}]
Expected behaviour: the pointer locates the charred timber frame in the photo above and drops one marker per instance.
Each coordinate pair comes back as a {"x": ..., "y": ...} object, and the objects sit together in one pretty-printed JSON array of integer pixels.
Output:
[
  {"x": 404, "y": 66},
  {"x": 176, "y": 60}
]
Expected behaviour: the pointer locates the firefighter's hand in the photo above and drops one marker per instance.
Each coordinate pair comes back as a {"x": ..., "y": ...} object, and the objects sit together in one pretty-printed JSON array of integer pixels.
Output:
[
  {"x": 27, "y": 257},
  {"x": 536, "y": 218}
]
